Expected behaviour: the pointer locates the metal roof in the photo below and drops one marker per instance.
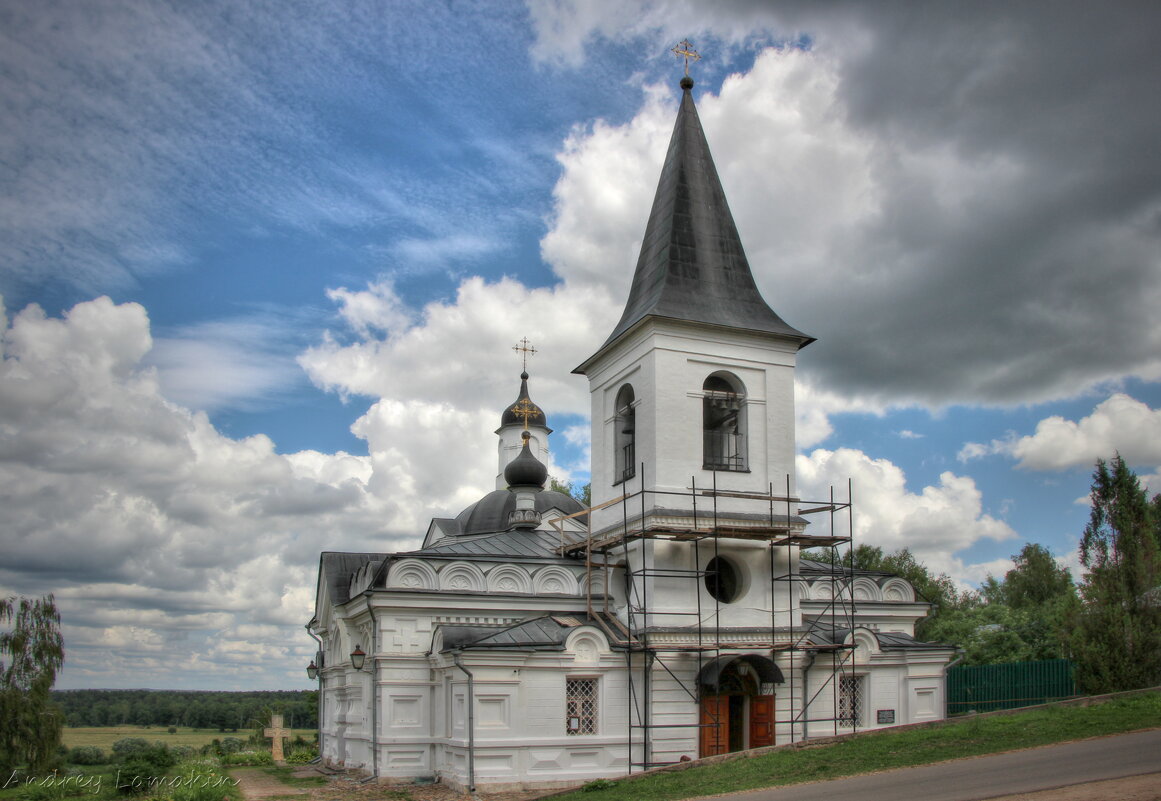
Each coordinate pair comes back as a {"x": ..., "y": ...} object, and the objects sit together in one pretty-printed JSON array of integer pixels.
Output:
[
  {"x": 336, "y": 569},
  {"x": 814, "y": 566},
  {"x": 888, "y": 640},
  {"x": 490, "y": 514},
  {"x": 692, "y": 265},
  {"x": 542, "y": 633},
  {"x": 527, "y": 544}
]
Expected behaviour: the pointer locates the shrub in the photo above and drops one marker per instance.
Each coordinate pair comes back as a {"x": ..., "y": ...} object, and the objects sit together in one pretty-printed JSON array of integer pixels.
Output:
[
  {"x": 172, "y": 730},
  {"x": 129, "y": 745},
  {"x": 41, "y": 791},
  {"x": 231, "y": 745},
  {"x": 142, "y": 768},
  {"x": 301, "y": 756},
  {"x": 200, "y": 781},
  {"x": 87, "y": 755}
]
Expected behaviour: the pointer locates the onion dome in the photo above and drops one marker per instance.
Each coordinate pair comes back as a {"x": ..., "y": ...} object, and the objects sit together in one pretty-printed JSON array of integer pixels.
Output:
[
  {"x": 515, "y": 413},
  {"x": 526, "y": 470}
]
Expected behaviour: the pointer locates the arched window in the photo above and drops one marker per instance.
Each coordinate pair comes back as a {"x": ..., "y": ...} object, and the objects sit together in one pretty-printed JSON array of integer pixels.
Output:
[
  {"x": 625, "y": 436},
  {"x": 723, "y": 423}
]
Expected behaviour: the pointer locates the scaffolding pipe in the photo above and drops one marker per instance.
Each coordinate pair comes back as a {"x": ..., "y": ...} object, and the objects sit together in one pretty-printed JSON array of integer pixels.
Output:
[{"x": 779, "y": 535}]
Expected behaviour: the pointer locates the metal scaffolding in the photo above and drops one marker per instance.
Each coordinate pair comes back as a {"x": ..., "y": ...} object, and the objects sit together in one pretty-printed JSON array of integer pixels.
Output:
[{"x": 705, "y": 527}]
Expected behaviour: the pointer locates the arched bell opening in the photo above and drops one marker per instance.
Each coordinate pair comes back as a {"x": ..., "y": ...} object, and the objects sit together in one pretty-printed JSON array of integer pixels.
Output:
[
  {"x": 625, "y": 436},
  {"x": 724, "y": 423}
]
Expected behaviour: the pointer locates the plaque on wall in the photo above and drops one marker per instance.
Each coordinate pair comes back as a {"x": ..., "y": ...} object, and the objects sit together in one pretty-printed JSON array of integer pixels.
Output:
[{"x": 884, "y": 715}]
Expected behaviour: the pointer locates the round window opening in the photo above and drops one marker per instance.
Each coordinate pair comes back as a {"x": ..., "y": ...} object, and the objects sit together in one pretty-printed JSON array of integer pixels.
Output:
[{"x": 722, "y": 580}]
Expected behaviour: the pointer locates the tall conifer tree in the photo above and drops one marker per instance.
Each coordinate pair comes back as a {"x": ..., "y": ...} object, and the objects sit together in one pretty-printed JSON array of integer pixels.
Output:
[{"x": 1117, "y": 641}]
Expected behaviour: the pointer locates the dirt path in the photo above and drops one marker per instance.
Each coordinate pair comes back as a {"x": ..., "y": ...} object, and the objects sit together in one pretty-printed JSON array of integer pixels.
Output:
[{"x": 255, "y": 784}]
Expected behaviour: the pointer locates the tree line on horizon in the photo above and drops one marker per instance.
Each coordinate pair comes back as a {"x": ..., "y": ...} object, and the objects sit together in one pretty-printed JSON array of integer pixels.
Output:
[{"x": 196, "y": 709}]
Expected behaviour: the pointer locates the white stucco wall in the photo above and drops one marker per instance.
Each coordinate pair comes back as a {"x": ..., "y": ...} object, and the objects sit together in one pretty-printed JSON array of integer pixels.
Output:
[{"x": 667, "y": 363}]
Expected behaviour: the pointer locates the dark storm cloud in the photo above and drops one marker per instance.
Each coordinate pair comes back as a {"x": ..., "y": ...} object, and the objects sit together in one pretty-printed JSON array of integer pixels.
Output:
[{"x": 1045, "y": 282}]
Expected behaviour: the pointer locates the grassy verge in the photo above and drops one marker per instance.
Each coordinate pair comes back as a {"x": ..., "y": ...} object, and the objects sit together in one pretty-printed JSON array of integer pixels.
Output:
[{"x": 891, "y": 749}]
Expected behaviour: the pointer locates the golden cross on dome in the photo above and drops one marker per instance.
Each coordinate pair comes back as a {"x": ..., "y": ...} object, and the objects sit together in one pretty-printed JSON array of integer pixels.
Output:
[
  {"x": 684, "y": 48},
  {"x": 525, "y": 349},
  {"x": 526, "y": 409}
]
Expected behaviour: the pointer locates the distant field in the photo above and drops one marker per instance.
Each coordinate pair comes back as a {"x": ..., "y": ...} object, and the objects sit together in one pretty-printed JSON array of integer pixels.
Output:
[{"x": 105, "y": 736}]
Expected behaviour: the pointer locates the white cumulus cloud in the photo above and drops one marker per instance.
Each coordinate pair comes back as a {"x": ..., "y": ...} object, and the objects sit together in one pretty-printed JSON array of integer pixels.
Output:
[
  {"x": 149, "y": 525},
  {"x": 1119, "y": 424},
  {"x": 936, "y": 523}
]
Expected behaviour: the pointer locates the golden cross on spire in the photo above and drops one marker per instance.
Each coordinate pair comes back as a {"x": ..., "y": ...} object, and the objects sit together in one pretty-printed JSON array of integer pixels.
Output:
[
  {"x": 525, "y": 349},
  {"x": 526, "y": 409},
  {"x": 684, "y": 48}
]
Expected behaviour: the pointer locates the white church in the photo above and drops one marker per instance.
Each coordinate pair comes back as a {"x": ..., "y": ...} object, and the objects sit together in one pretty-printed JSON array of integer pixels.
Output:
[{"x": 532, "y": 642}]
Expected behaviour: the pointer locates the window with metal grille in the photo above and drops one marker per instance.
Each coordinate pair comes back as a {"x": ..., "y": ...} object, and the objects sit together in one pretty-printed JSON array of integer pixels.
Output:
[
  {"x": 850, "y": 712},
  {"x": 580, "y": 706}
]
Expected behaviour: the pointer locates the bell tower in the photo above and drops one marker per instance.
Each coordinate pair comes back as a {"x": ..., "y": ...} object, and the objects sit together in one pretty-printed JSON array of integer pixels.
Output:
[{"x": 694, "y": 388}]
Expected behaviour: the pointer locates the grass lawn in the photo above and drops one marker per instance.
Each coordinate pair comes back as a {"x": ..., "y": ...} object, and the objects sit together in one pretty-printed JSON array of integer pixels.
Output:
[
  {"x": 890, "y": 749},
  {"x": 104, "y": 736}
]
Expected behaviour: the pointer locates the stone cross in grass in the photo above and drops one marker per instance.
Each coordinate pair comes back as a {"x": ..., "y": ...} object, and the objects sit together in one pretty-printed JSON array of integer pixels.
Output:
[{"x": 277, "y": 734}]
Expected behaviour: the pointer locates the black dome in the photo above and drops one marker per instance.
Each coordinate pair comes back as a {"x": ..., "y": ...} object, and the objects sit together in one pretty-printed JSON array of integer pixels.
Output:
[
  {"x": 526, "y": 470},
  {"x": 490, "y": 514}
]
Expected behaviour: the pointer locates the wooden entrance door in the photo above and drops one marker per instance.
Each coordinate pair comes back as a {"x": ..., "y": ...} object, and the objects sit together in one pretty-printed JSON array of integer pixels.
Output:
[
  {"x": 761, "y": 720},
  {"x": 715, "y": 725}
]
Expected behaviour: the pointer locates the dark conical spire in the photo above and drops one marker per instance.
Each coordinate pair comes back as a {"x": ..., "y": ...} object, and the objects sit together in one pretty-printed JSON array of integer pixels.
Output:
[{"x": 692, "y": 265}]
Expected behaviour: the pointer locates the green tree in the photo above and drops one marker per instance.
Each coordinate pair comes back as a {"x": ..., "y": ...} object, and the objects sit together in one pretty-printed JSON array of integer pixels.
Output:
[
  {"x": 1117, "y": 630},
  {"x": 1036, "y": 582},
  {"x": 583, "y": 493},
  {"x": 988, "y": 633},
  {"x": 31, "y": 653},
  {"x": 1018, "y": 618}
]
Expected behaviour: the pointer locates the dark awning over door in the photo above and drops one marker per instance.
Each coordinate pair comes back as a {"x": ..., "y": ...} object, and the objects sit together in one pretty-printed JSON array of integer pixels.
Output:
[{"x": 710, "y": 674}]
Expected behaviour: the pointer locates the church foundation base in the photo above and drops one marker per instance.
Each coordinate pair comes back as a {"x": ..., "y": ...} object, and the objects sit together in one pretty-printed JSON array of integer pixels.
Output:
[{"x": 488, "y": 787}]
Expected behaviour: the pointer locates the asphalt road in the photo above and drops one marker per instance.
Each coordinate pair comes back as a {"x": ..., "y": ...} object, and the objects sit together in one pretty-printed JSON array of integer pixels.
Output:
[{"x": 1044, "y": 768}]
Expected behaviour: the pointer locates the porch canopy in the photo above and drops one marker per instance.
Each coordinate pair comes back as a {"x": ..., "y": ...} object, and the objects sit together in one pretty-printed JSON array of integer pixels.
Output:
[{"x": 709, "y": 677}]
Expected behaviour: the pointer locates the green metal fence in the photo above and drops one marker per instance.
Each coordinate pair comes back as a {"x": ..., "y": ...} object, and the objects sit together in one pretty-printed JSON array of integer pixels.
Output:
[{"x": 983, "y": 688}]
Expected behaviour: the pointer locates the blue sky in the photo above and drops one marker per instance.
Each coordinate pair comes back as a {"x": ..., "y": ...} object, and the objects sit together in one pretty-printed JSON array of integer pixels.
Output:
[{"x": 263, "y": 265}]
